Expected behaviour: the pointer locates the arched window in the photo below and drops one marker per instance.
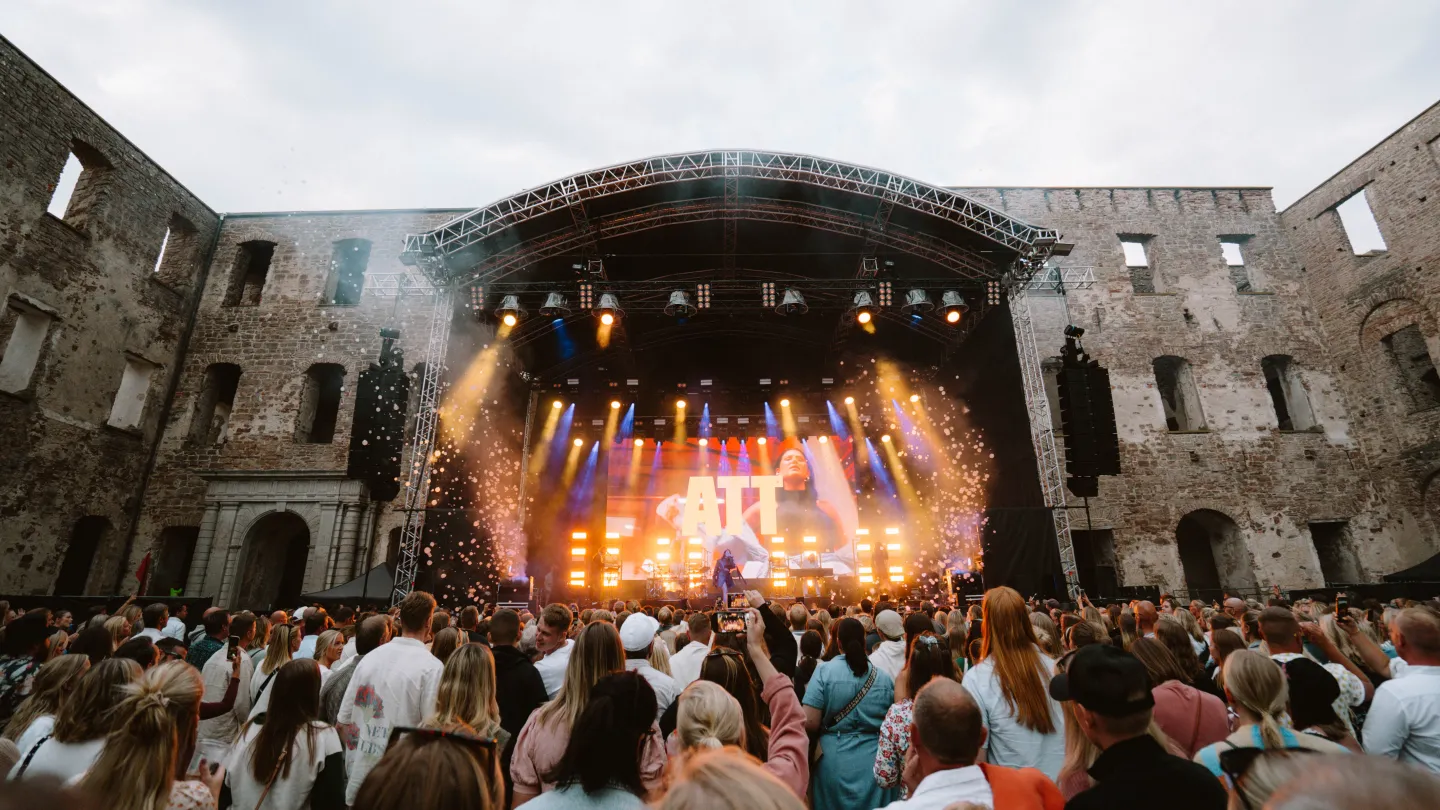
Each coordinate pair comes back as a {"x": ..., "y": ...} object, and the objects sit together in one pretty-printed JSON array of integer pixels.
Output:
[
  {"x": 1179, "y": 396},
  {"x": 1410, "y": 359},
  {"x": 86, "y": 540},
  {"x": 1213, "y": 555},
  {"x": 1287, "y": 393},
  {"x": 320, "y": 403},
  {"x": 211, "y": 420},
  {"x": 249, "y": 272}
]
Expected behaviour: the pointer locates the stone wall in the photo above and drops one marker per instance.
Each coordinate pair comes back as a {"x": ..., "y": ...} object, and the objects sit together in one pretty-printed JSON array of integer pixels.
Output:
[
  {"x": 84, "y": 298},
  {"x": 1360, "y": 300}
]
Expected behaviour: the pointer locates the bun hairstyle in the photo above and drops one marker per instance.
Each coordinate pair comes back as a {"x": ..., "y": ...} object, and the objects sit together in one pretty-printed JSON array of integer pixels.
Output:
[
  {"x": 851, "y": 637},
  {"x": 155, "y": 728},
  {"x": 708, "y": 717}
]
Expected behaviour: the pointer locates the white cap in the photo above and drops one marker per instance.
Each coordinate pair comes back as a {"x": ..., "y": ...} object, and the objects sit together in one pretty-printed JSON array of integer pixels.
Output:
[{"x": 638, "y": 631}]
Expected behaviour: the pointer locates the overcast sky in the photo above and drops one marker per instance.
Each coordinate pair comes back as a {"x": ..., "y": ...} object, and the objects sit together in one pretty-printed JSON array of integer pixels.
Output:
[{"x": 304, "y": 104}]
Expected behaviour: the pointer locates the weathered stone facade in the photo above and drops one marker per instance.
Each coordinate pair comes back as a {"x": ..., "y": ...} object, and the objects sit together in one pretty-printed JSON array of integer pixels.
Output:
[{"x": 256, "y": 325}]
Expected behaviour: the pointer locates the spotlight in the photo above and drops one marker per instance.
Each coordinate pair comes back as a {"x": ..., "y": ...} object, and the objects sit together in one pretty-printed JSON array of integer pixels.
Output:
[
  {"x": 614, "y": 404},
  {"x": 784, "y": 403},
  {"x": 704, "y": 442},
  {"x": 557, "y": 404},
  {"x": 555, "y": 306},
  {"x": 864, "y": 307},
  {"x": 793, "y": 303},
  {"x": 639, "y": 442},
  {"x": 917, "y": 302},
  {"x": 680, "y": 404},
  {"x": 823, "y": 440},
  {"x": 609, "y": 309},
  {"x": 849, "y": 400},
  {"x": 1073, "y": 331},
  {"x": 579, "y": 442},
  {"x": 679, "y": 306},
  {"x": 760, "y": 440},
  {"x": 885, "y": 438},
  {"x": 953, "y": 306},
  {"x": 914, "y": 397},
  {"x": 510, "y": 311}
]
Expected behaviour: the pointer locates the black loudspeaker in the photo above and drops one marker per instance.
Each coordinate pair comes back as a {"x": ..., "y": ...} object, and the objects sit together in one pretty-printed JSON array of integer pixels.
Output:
[
  {"x": 377, "y": 434},
  {"x": 1087, "y": 417}
]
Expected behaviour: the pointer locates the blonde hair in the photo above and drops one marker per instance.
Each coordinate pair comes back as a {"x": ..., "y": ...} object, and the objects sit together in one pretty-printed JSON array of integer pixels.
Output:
[
  {"x": 709, "y": 717},
  {"x": 1271, "y": 770},
  {"x": 1081, "y": 753},
  {"x": 119, "y": 629},
  {"x": 1342, "y": 641},
  {"x": 324, "y": 642},
  {"x": 155, "y": 729},
  {"x": 467, "y": 692},
  {"x": 278, "y": 653},
  {"x": 598, "y": 652},
  {"x": 727, "y": 779},
  {"x": 660, "y": 657},
  {"x": 53, "y": 685},
  {"x": 1188, "y": 621},
  {"x": 1257, "y": 684}
]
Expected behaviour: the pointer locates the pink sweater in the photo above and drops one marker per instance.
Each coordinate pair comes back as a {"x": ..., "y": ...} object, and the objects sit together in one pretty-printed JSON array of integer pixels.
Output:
[
  {"x": 789, "y": 751},
  {"x": 540, "y": 747}
]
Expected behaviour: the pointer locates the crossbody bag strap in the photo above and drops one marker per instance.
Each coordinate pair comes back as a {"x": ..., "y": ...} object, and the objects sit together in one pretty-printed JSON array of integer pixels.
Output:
[
  {"x": 1195, "y": 732},
  {"x": 854, "y": 703},
  {"x": 31, "y": 755}
]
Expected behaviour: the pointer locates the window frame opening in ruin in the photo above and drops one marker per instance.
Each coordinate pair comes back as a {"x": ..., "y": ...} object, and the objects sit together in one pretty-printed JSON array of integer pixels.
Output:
[
  {"x": 79, "y": 185},
  {"x": 1413, "y": 367},
  {"x": 321, "y": 393},
  {"x": 1358, "y": 223},
  {"x": 1179, "y": 394},
  {"x": 214, "y": 404},
  {"x": 1137, "y": 249},
  {"x": 349, "y": 260},
  {"x": 88, "y": 537},
  {"x": 392, "y": 545},
  {"x": 1095, "y": 561},
  {"x": 175, "y": 554},
  {"x": 29, "y": 333},
  {"x": 1288, "y": 395},
  {"x": 179, "y": 256},
  {"x": 127, "y": 411},
  {"x": 1335, "y": 550},
  {"x": 1214, "y": 557},
  {"x": 274, "y": 557},
  {"x": 249, "y": 273},
  {"x": 1234, "y": 252}
]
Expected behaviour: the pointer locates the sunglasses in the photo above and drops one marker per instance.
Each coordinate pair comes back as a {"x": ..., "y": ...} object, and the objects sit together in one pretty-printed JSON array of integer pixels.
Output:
[{"x": 1235, "y": 763}]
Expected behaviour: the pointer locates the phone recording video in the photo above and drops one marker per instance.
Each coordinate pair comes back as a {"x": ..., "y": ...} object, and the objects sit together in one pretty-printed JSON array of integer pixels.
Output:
[
  {"x": 234, "y": 649},
  {"x": 737, "y": 601},
  {"x": 731, "y": 621}
]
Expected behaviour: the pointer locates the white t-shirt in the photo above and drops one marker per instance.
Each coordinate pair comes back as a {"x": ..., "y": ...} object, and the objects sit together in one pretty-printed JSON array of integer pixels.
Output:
[
  {"x": 64, "y": 761},
  {"x": 685, "y": 665},
  {"x": 260, "y": 685},
  {"x": 307, "y": 647},
  {"x": 552, "y": 668},
  {"x": 665, "y": 688},
  {"x": 286, "y": 792},
  {"x": 1404, "y": 719},
  {"x": 889, "y": 657},
  {"x": 39, "y": 727},
  {"x": 1009, "y": 743},
  {"x": 944, "y": 788},
  {"x": 217, "y": 733},
  {"x": 175, "y": 628},
  {"x": 346, "y": 653},
  {"x": 395, "y": 685}
]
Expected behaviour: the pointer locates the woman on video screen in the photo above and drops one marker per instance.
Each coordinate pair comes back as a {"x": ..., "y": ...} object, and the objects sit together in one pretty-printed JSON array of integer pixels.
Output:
[{"x": 799, "y": 512}]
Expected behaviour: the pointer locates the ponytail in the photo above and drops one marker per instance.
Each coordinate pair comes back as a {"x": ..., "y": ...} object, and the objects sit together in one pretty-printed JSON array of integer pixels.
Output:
[
  {"x": 708, "y": 717},
  {"x": 1258, "y": 685},
  {"x": 155, "y": 727},
  {"x": 851, "y": 635}
]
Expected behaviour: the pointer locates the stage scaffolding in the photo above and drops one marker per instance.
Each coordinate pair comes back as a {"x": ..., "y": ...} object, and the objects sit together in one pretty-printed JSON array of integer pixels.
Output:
[{"x": 467, "y": 233}]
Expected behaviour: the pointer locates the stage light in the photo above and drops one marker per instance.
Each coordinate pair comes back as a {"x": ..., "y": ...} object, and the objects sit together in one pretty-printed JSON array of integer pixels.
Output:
[
  {"x": 680, "y": 404},
  {"x": 760, "y": 441},
  {"x": 695, "y": 555},
  {"x": 579, "y": 442},
  {"x": 578, "y": 551},
  {"x": 704, "y": 442},
  {"x": 609, "y": 309},
  {"x": 885, "y": 438},
  {"x": 892, "y": 530},
  {"x": 862, "y": 546},
  {"x": 612, "y": 550},
  {"x": 849, "y": 400},
  {"x": 663, "y": 556},
  {"x": 784, "y": 403},
  {"x": 793, "y": 303},
  {"x": 779, "y": 552},
  {"x": 696, "y": 541},
  {"x": 914, "y": 397},
  {"x": 778, "y": 541},
  {"x": 823, "y": 440},
  {"x": 865, "y": 532},
  {"x": 953, "y": 306},
  {"x": 679, "y": 305},
  {"x": 864, "y": 307},
  {"x": 639, "y": 442},
  {"x": 662, "y": 541},
  {"x": 578, "y": 535},
  {"x": 808, "y": 540},
  {"x": 510, "y": 311},
  {"x": 557, "y": 404},
  {"x": 555, "y": 306},
  {"x": 917, "y": 302},
  {"x": 614, "y": 404},
  {"x": 892, "y": 546}
]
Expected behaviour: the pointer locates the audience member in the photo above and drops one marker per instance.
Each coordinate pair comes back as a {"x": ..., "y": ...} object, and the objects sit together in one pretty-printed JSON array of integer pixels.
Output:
[
  {"x": 554, "y": 646},
  {"x": 217, "y": 633},
  {"x": 726, "y": 779},
  {"x": 466, "y": 699},
  {"x": 600, "y": 767},
  {"x": 1404, "y": 720},
  {"x": 284, "y": 642},
  {"x": 81, "y": 725},
  {"x": 811, "y": 647},
  {"x": 1190, "y": 718},
  {"x": 637, "y": 635},
  {"x": 685, "y": 664},
  {"x": 433, "y": 770},
  {"x": 23, "y": 653},
  {"x": 373, "y": 632},
  {"x": 929, "y": 659},
  {"x": 1346, "y": 782},
  {"x": 53, "y": 684},
  {"x": 889, "y": 654},
  {"x": 287, "y": 758},
  {"x": 845, "y": 705}
]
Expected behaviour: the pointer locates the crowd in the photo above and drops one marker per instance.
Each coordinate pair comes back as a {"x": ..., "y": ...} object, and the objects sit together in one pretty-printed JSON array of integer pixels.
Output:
[{"x": 1007, "y": 704}]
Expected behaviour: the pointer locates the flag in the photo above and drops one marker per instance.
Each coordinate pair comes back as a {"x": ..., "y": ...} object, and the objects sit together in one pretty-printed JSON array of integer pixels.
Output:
[{"x": 142, "y": 571}]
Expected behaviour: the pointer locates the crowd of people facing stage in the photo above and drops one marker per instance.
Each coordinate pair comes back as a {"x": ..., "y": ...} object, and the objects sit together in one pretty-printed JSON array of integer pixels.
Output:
[{"x": 1007, "y": 703}]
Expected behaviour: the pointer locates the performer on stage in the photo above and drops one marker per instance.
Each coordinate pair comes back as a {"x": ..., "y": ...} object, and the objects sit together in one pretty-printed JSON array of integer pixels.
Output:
[{"x": 722, "y": 576}]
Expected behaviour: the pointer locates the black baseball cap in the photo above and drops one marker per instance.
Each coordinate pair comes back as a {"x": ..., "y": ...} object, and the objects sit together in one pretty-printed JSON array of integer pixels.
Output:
[{"x": 1105, "y": 680}]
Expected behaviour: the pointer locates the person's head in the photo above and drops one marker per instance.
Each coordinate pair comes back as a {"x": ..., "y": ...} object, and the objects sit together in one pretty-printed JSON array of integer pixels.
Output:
[
  {"x": 94, "y": 642},
  {"x": 504, "y": 628},
  {"x": 1416, "y": 636},
  {"x": 1221, "y": 621},
  {"x": 293, "y": 708},
  {"x": 929, "y": 659},
  {"x": 1250, "y": 625},
  {"x": 25, "y": 637},
  {"x": 315, "y": 622},
  {"x": 1177, "y": 640},
  {"x": 1312, "y": 694},
  {"x": 467, "y": 692},
  {"x": 811, "y": 644},
  {"x": 373, "y": 632},
  {"x": 1084, "y": 634},
  {"x": 1158, "y": 661},
  {"x": 328, "y": 647},
  {"x": 709, "y": 717},
  {"x": 439, "y": 621},
  {"x": 1109, "y": 690},
  {"x": 154, "y": 730},
  {"x": 553, "y": 627},
  {"x": 1235, "y": 608},
  {"x": 637, "y": 634},
  {"x": 1345, "y": 781},
  {"x": 171, "y": 649},
  {"x": 1046, "y": 634},
  {"x": 945, "y": 727},
  {"x": 606, "y": 740},
  {"x": 89, "y": 713},
  {"x": 54, "y": 683},
  {"x": 416, "y": 609},
  {"x": 916, "y": 624},
  {"x": 446, "y": 641},
  {"x": 867, "y": 606},
  {"x": 279, "y": 617},
  {"x": 1009, "y": 639},
  {"x": 798, "y": 616},
  {"x": 597, "y": 653},
  {"x": 699, "y": 624},
  {"x": 1281, "y": 630},
  {"x": 1255, "y": 686},
  {"x": 470, "y": 618},
  {"x": 1145, "y": 617},
  {"x": 141, "y": 650},
  {"x": 725, "y": 667},
  {"x": 435, "y": 772},
  {"x": 243, "y": 627},
  {"x": 217, "y": 624},
  {"x": 850, "y": 636},
  {"x": 156, "y": 615},
  {"x": 726, "y": 779},
  {"x": 1187, "y": 620},
  {"x": 665, "y": 616},
  {"x": 284, "y": 642}
]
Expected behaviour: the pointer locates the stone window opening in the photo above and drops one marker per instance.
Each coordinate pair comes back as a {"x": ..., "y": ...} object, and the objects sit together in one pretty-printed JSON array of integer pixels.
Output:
[
  {"x": 86, "y": 540},
  {"x": 210, "y": 424},
  {"x": 1287, "y": 393},
  {"x": 347, "y": 272},
  {"x": 249, "y": 273},
  {"x": 1214, "y": 557},
  {"x": 320, "y": 404},
  {"x": 1359, "y": 223},
  {"x": 176, "y": 553},
  {"x": 179, "y": 253},
  {"x": 1410, "y": 358},
  {"x": 79, "y": 186},
  {"x": 128, "y": 410},
  {"x": 1232, "y": 248},
  {"x": 1179, "y": 396},
  {"x": 1136, "y": 248},
  {"x": 1335, "y": 548},
  {"x": 28, "y": 330}
]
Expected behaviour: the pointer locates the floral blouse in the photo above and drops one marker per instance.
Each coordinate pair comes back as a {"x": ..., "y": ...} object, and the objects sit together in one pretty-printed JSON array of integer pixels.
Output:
[{"x": 894, "y": 742}]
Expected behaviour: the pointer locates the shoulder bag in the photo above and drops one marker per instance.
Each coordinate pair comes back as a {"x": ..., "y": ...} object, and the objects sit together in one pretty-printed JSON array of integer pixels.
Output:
[{"x": 843, "y": 713}]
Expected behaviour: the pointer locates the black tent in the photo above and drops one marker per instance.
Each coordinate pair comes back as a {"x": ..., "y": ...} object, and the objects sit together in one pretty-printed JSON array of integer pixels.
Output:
[
  {"x": 1427, "y": 571},
  {"x": 374, "y": 587}
]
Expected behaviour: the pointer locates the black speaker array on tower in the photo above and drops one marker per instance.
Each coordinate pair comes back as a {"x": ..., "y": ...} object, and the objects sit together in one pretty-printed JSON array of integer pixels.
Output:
[
  {"x": 1087, "y": 416},
  {"x": 377, "y": 436}
]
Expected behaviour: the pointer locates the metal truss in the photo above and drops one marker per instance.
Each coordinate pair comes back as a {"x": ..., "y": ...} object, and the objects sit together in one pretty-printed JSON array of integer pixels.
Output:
[
  {"x": 417, "y": 469},
  {"x": 1059, "y": 279},
  {"x": 479, "y": 225},
  {"x": 732, "y": 294},
  {"x": 398, "y": 285}
]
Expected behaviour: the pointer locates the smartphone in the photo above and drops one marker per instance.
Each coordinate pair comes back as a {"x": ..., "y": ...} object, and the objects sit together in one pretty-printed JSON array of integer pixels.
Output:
[
  {"x": 1342, "y": 606},
  {"x": 731, "y": 621},
  {"x": 234, "y": 648},
  {"x": 737, "y": 601}
]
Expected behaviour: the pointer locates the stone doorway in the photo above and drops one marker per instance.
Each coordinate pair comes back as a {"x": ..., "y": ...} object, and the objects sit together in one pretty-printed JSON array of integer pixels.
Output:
[
  {"x": 273, "y": 572},
  {"x": 1213, "y": 555}
]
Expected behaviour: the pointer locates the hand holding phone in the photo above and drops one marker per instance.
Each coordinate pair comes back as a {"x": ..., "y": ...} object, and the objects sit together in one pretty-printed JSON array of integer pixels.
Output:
[{"x": 731, "y": 621}]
